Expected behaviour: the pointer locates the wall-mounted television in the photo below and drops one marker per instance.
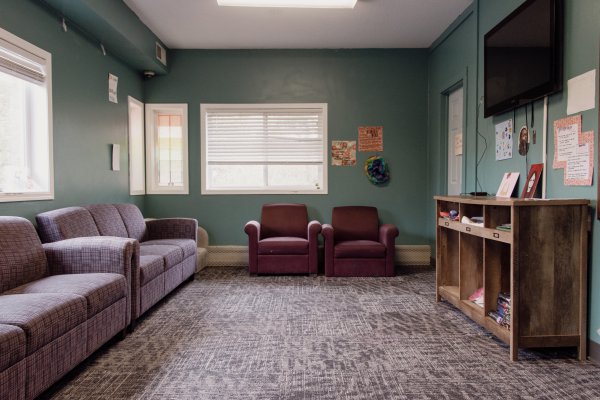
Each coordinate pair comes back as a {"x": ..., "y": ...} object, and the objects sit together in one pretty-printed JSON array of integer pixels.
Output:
[{"x": 523, "y": 56}]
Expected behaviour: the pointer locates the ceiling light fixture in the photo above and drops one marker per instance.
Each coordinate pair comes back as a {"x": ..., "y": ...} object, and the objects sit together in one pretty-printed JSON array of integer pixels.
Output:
[{"x": 289, "y": 3}]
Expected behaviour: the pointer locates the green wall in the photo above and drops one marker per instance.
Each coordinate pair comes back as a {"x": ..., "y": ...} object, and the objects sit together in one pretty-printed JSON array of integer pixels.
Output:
[
  {"x": 85, "y": 123},
  {"x": 362, "y": 87},
  {"x": 582, "y": 32}
]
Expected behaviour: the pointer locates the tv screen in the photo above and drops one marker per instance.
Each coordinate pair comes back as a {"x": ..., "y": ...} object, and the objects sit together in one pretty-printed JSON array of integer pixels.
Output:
[{"x": 523, "y": 56}]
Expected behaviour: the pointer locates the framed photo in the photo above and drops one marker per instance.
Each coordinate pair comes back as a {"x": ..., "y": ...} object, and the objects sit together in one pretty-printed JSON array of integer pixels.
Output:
[
  {"x": 533, "y": 178},
  {"x": 507, "y": 186}
]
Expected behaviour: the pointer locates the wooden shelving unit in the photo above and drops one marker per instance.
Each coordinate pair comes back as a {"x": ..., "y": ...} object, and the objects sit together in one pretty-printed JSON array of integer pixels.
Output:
[{"x": 541, "y": 262}]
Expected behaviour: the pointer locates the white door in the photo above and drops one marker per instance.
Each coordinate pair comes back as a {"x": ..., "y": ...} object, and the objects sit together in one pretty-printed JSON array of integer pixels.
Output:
[{"x": 455, "y": 141}]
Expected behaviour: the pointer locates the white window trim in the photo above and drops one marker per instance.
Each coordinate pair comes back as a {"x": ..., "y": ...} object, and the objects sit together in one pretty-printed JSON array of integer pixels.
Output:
[
  {"x": 47, "y": 57},
  {"x": 151, "y": 166},
  {"x": 204, "y": 108},
  {"x": 136, "y": 102}
]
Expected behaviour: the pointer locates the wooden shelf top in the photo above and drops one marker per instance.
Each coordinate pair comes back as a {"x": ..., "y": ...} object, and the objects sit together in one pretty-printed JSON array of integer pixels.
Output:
[{"x": 513, "y": 201}]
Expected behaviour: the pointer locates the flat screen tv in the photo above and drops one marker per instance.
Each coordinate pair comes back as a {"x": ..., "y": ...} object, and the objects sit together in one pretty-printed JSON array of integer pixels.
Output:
[{"x": 523, "y": 56}]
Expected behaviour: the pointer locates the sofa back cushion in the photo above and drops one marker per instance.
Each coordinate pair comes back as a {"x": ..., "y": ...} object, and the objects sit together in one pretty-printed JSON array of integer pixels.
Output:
[
  {"x": 355, "y": 223},
  {"x": 22, "y": 257},
  {"x": 133, "y": 220},
  {"x": 66, "y": 223},
  {"x": 108, "y": 220},
  {"x": 282, "y": 219}
]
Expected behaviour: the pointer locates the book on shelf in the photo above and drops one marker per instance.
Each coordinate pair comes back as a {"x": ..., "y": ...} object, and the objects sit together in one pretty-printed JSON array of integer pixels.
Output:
[{"x": 504, "y": 227}]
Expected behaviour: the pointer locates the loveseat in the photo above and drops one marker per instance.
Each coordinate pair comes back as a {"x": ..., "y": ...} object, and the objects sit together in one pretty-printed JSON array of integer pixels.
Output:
[
  {"x": 167, "y": 250},
  {"x": 58, "y": 303}
]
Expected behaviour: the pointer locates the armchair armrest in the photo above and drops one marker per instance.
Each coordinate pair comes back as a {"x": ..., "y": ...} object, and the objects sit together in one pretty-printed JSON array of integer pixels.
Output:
[
  {"x": 387, "y": 234},
  {"x": 313, "y": 229},
  {"x": 172, "y": 228},
  {"x": 252, "y": 229},
  {"x": 99, "y": 254},
  {"x": 327, "y": 232}
]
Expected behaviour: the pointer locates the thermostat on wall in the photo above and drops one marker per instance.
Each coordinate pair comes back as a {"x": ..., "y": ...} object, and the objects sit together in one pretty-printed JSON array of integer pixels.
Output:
[{"x": 161, "y": 54}]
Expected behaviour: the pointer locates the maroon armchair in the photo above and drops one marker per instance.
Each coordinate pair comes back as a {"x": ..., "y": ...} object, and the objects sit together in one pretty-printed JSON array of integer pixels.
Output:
[
  {"x": 284, "y": 242},
  {"x": 355, "y": 244}
]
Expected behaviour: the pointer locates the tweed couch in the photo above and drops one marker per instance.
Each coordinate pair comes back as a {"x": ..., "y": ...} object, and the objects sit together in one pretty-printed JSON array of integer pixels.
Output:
[
  {"x": 167, "y": 251},
  {"x": 58, "y": 303}
]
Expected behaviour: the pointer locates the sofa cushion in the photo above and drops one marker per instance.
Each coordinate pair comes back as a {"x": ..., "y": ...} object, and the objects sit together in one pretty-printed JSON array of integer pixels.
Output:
[
  {"x": 108, "y": 220},
  {"x": 150, "y": 268},
  {"x": 355, "y": 223},
  {"x": 101, "y": 290},
  {"x": 172, "y": 255},
  {"x": 43, "y": 317},
  {"x": 359, "y": 249},
  {"x": 134, "y": 221},
  {"x": 22, "y": 257},
  {"x": 283, "y": 246},
  {"x": 66, "y": 223},
  {"x": 284, "y": 220},
  {"x": 12, "y": 346},
  {"x": 188, "y": 246}
]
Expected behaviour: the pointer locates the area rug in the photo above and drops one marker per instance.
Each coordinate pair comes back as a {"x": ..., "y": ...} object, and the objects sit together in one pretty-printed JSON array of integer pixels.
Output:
[{"x": 228, "y": 335}]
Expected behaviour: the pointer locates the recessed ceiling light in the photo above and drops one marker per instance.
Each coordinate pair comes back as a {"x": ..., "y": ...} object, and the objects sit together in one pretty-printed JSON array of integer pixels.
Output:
[{"x": 290, "y": 3}]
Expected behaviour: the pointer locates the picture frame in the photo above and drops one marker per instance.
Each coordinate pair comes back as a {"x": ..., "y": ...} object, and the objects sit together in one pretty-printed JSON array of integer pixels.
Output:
[{"x": 531, "y": 184}]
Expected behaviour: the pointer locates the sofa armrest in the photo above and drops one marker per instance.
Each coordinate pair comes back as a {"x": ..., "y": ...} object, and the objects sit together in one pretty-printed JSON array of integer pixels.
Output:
[
  {"x": 99, "y": 254},
  {"x": 252, "y": 229},
  {"x": 172, "y": 228}
]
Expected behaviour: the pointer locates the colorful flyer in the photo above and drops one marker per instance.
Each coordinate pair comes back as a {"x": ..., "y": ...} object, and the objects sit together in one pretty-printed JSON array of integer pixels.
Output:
[
  {"x": 579, "y": 168},
  {"x": 343, "y": 152},
  {"x": 504, "y": 140},
  {"x": 370, "y": 138},
  {"x": 567, "y": 132}
]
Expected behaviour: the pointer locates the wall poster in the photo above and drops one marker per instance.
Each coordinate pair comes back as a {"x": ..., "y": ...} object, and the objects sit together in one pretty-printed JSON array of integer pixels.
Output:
[
  {"x": 504, "y": 140},
  {"x": 343, "y": 152},
  {"x": 370, "y": 138}
]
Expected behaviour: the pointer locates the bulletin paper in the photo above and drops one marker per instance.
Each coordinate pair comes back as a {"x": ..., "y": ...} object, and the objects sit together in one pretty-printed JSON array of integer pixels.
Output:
[
  {"x": 370, "y": 138},
  {"x": 567, "y": 132},
  {"x": 113, "y": 81},
  {"x": 343, "y": 152},
  {"x": 581, "y": 92},
  {"x": 504, "y": 140},
  {"x": 580, "y": 165}
]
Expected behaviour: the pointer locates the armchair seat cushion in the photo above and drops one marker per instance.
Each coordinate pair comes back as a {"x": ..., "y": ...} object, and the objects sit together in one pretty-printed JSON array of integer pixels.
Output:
[
  {"x": 359, "y": 249},
  {"x": 43, "y": 317},
  {"x": 100, "y": 290},
  {"x": 12, "y": 346},
  {"x": 172, "y": 255},
  {"x": 150, "y": 268},
  {"x": 283, "y": 245},
  {"x": 188, "y": 246}
]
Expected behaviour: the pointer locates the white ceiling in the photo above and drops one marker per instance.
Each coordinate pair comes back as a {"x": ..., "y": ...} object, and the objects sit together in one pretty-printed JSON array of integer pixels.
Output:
[{"x": 202, "y": 24}]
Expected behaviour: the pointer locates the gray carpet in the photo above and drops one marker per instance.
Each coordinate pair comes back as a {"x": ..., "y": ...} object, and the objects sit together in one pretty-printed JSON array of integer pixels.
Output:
[{"x": 231, "y": 336}]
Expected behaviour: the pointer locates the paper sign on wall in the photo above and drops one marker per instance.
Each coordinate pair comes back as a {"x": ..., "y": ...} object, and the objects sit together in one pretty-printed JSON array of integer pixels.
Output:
[
  {"x": 113, "y": 82},
  {"x": 116, "y": 153},
  {"x": 370, "y": 138},
  {"x": 579, "y": 168},
  {"x": 343, "y": 152},
  {"x": 504, "y": 140},
  {"x": 566, "y": 140},
  {"x": 581, "y": 92}
]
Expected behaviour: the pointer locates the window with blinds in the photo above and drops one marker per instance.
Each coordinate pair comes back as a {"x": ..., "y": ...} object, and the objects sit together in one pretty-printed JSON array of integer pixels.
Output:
[
  {"x": 264, "y": 148},
  {"x": 26, "y": 168}
]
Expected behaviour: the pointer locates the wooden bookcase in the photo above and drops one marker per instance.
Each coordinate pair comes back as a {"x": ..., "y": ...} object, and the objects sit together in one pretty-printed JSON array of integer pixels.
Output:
[{"x": 541, "y": 262}]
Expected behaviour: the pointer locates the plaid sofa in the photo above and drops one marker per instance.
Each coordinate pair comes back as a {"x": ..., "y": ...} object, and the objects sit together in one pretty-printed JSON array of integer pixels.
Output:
[
  {"x": 58, "y": 303},
  {"x": 167, "y": 251}
]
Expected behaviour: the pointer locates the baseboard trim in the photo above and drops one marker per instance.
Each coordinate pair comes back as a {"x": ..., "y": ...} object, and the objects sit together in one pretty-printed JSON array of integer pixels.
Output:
[
  {"x": 594, "y": 352},
  {"x": 237, "y": 256}
]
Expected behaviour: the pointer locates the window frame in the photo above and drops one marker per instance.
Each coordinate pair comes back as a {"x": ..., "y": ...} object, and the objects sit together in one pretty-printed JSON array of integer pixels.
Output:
[
  {"x": 152, "y": 186},
  {"x": 23, "y": 47},
  {"x": 208, "y": 107},
  {"x": 133, "y": 102}
]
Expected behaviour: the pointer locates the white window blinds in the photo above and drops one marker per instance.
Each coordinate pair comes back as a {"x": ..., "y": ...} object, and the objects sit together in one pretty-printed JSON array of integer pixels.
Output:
[
  {"x": 22, "y": 64},
  {"x": 266, "y": 137}
]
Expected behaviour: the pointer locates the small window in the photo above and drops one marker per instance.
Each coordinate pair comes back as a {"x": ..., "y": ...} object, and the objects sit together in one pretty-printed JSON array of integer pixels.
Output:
[
  {"x": 137, "y": 165},
  {"x": 26, "y": 168},
  {"x": 166, "y": 149},
  {"x": 264, "y": 148}
]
